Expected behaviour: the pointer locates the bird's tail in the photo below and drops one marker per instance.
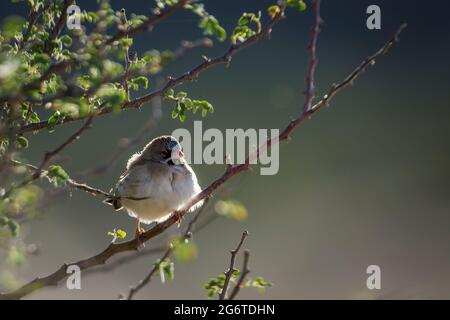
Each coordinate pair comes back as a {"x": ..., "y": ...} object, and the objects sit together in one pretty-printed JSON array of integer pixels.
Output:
[{"x": 113, "y": 201}]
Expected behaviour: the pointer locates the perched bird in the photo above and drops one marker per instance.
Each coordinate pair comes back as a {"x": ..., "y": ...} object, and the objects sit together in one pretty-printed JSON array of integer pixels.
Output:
[{"x": 156, "y": 183}]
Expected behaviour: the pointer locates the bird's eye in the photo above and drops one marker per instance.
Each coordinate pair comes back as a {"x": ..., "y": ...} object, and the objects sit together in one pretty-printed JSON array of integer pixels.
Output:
[{"x": 165, "y": 153}]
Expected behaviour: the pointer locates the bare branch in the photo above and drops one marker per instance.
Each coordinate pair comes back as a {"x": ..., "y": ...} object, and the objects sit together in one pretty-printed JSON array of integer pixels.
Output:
[
  {"x": 149, "y": 24},
  {"x": 313, "y": 60},
  {"x": 231, "y": 269},
  {"x": 48, "y": 156},
  {"x": 187, "y": 235},
  {"x": 113, "y": 249},
  {"x": 245, "y": 271}
]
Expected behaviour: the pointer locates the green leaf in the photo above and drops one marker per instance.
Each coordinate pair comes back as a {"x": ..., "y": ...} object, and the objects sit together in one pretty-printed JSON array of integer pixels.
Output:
[
  {"x": 220, "y": 33},
  {"x": 54, "y": 119},
  {"x": 244, "y": 19},
  {"x": 117, "y": 234},
  {"x": 16, "y": 256},
  {"x": 166, "y": 270},
  {"x": 14, "y": 227},
  {"x": 140, "y": 81},
  {"x": 121, "y": 234},
  {"x": 169, "y": 92},
  {"x": 57, "y": 175},
  {"x": 185, "y": 251},
  {"x": 66, "y": 40},
  {"x": 182, "y": 115},
  {"x": 273, "y": 10},
  {"x": 22, "y": 142},
  {"x": 12, "y": 25},
  {"x": 231, "y": 209},
  {"x": 298, "y": 4},
  {"x": 260, "y": 284}
]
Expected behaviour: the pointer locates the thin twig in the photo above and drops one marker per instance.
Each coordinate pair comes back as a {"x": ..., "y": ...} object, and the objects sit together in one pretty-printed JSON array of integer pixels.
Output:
[
  {"x": 149, "y": 24},
  {"x": 48, "y": 156},
  {"x": 231, "y": 270},
  {"x": 244, "y": 273},
  {"x": 101, "y": 258},
  {"x": 187, "y": 235},
  {"x": 313, "y": 59}
]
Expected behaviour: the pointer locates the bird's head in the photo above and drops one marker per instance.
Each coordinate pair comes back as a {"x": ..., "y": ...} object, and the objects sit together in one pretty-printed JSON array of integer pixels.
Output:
[{"x": 164, "y": 149}]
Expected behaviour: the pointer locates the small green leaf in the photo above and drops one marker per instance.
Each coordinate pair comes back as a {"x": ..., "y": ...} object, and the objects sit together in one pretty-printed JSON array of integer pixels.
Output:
[
  {"x": 140, "y": 81},
  {"x": 22, "y": 142},
  {"x": 14, "y": 227},
  {"x": 12, "y": 25},
  {"x": 54, "y": 119},
  {"x": 57, "y": 175},
  {"x": 231, "y": 209},
  {"x": 181, "y": 94},
  {"x": 273, "y": 10},
  {"x": 117, "y": 234},
  {"x": 182, "y": 115},
  {"x": 169, "y": 92},
  {"x": 185, "y": 251},
  {"x": 66, "y": 40},
  {"x": 166, "y": 269},
  {"x": 121, "y": 234}
]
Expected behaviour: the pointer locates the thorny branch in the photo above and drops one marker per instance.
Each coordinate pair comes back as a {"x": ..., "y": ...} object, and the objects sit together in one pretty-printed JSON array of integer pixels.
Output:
[{"x": 101, "y": 258}]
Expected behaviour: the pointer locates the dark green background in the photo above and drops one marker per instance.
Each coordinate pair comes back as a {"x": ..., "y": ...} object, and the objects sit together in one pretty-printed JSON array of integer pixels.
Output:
[{"x": 365, "y": 182}]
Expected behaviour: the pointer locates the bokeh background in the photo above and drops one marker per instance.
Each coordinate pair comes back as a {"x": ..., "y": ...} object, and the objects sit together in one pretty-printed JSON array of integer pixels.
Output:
[{"x": 366, "y": 181}]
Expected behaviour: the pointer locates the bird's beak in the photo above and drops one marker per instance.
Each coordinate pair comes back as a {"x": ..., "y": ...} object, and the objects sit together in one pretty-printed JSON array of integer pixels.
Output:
[{"x": 181, "y": 154}]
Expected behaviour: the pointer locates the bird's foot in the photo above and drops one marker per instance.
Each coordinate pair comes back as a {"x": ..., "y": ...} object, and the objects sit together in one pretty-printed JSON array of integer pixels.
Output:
[
  {"x": 178, "y": 217},
  {"x": 139, "y": 232}
]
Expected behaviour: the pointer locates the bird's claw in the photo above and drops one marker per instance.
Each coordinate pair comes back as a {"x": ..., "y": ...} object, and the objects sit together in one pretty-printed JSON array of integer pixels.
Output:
[
  {"x": 139, "y": 232},
  {"x": 178, "y": 217}
]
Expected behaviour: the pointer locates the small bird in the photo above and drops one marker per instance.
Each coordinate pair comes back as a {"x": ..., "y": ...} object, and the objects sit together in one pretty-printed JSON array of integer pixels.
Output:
[{"x": 156, "y": 183}]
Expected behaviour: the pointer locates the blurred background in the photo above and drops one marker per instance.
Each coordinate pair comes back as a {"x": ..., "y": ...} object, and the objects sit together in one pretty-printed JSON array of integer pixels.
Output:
[{"x": 366, "y": 181}]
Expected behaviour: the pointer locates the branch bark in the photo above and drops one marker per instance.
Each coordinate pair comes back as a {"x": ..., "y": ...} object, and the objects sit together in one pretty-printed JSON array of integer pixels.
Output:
[
  {"x": 231, "y": 269},
  {"x": 244, "y": 273}
]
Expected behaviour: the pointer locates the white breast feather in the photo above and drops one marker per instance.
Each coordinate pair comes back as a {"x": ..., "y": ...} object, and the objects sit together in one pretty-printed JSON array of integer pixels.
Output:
[{"x": 165, "y": 193}]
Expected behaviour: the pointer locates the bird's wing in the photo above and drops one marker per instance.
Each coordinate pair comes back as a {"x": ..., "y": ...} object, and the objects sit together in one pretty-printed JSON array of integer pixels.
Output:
[{"x": 134, "y": 183}]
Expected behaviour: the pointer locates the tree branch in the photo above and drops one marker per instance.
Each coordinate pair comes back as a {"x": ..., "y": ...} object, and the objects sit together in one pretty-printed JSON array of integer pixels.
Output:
[
  {"x": 48, "y": 156},
  {"x": 313, "y": 60},
  {"x": 187, "y": 235},
  {"x": 62, "y": 65},
  {"x": 101, "y": 258},
  {"x": 175, "y": 82},
  {"x": 61, "y": 21},
  {"x": 149, "y": 24},
  {"x": 244, "y": 273},
  {"x": 231, "y": 269}
]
